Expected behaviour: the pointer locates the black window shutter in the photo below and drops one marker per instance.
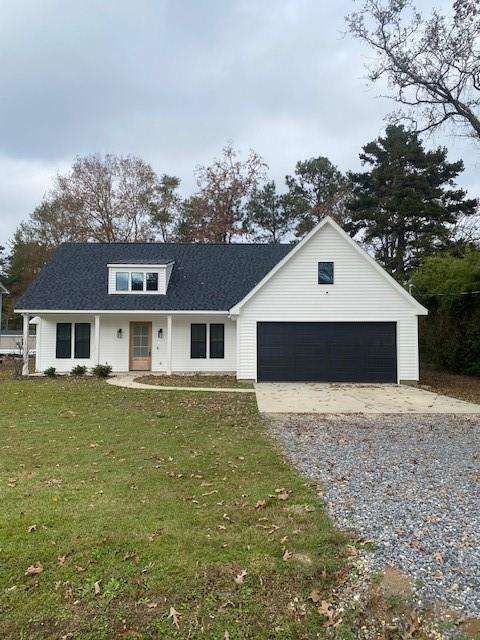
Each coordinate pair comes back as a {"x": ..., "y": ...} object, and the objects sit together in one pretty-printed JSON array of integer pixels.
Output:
[
  {"x": 198, "y": 341},
  {"x": 82, "y": 340},
  {"x": 64, "y": 340},
  {"x": 217, "y": 341}
]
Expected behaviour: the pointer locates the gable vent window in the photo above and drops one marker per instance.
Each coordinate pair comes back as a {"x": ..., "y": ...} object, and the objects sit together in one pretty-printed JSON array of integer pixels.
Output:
[
  {"x": 325, "y": 273},
  {"x": 152, "y": 281},
  {"x": 64, "y": 340}
]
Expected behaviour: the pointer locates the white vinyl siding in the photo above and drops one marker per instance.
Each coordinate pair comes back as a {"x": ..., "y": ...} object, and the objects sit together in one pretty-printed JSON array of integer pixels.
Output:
[
  {"x": 115, "y": 351},
  {"x": 47, "y": 342},
  {"x": 359, "y": 293}
]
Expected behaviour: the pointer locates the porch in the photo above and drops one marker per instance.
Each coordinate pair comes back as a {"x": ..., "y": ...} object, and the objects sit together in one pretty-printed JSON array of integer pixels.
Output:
[{"x": 161, "y": 343}]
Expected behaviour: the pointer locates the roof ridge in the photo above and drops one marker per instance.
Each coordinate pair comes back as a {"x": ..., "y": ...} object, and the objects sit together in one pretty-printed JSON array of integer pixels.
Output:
[{"x": 181, "y": 244}]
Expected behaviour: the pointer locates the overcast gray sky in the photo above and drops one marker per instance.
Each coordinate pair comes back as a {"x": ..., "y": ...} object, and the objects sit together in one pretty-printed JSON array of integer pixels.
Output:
[{"x": 173, "y": 80}]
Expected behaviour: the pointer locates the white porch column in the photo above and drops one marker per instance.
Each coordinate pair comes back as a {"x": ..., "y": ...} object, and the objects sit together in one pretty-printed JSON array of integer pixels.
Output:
[
  {"x": 169, "y": 345},
  {"x": 96, "y": 341},
  {"x": 26, "y": 320}
]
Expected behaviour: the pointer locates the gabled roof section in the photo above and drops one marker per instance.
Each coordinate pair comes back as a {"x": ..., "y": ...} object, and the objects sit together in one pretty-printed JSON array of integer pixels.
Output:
[
  {"x": 420, "y": 310},
  {"x": 205, "y": 277},
  {"x": 3, "y": 289}
]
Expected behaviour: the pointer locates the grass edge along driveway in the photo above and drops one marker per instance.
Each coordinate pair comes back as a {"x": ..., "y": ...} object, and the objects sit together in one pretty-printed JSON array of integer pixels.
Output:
[{"x": 126, "y": 513}]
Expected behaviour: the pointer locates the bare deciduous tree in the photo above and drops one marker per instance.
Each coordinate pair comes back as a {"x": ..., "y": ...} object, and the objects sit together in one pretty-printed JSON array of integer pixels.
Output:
[
  {"x": 111, "y": 197},
  {"x": 432, "y": 64},
  {"x": 224, "y": 187}
]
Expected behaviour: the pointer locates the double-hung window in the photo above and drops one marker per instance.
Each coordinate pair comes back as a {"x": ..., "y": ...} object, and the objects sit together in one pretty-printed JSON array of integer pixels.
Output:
[
  {"x": 216, "y": 340},
  {"x": 81, "y": 340},
  {"x": 198, "y": 341},
  {"x": 64, "y": 340}
]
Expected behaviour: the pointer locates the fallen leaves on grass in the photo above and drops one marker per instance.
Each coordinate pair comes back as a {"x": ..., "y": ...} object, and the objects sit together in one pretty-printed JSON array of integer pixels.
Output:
[
  {"x": 239, "y": 578},
  {"x": 282, "y": 494},
  {"x": 34, "y": 569},
  {"x": 96, "y": 588},
  {"x": 32, "y": 528},
  {"x": 315, "y": 596},
  {"x": 175, "y": 616},
  {"x": 286, "y": 555},
  {"x": 297, "y": 608}
]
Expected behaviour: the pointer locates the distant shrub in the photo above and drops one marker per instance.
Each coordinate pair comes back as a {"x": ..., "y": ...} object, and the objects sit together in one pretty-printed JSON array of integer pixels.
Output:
[
  {"x": 102, "y": 370},
  {"x": 79, "y": 370},
  {"x": 51, "y": 372}
]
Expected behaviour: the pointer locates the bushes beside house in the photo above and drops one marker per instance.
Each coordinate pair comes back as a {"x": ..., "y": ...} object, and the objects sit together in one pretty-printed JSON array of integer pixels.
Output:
[{"x": 449, "y": 336}]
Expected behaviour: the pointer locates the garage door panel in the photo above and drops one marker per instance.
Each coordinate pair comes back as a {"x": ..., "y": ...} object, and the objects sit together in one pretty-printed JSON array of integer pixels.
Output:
[{"x": 326, "y": 351}]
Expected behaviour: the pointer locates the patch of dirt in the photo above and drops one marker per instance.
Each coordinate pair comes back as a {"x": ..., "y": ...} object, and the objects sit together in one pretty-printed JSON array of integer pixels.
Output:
[
  {"x": 451, "y": 384},
  {"x": 394, "y": 583},
  {"x": 206, "y": 380},
  {"x": 471, "y": 628}
]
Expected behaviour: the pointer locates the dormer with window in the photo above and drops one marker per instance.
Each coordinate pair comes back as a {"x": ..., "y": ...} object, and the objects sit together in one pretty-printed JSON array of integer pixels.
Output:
[{"x": 139, "y": 278}]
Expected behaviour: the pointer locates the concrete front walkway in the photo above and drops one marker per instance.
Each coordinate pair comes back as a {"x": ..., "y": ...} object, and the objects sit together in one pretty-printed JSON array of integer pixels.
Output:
[
  {"x": 128, "y": 381},
  {"x": 283, "y": 397}
]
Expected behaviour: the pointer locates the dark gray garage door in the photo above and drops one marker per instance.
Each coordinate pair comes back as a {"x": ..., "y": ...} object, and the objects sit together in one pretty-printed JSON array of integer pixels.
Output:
[{"x": 326, "y": 352}]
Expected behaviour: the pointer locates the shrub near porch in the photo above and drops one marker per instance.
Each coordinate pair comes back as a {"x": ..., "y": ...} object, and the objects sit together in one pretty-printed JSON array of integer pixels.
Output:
[{"x": 143, "y": 515}]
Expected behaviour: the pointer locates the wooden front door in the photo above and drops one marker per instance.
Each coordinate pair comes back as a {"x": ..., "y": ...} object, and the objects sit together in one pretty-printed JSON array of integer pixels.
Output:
[{"x": 140, "y": 346}]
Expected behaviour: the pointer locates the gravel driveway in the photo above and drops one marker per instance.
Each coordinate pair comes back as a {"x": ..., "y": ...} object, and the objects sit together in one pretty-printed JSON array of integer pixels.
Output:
[{"x": 410, "y": 484}]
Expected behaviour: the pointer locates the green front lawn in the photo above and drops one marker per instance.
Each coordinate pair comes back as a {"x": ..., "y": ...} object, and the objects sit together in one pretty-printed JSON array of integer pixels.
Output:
[{"x": 129, "y": 503}]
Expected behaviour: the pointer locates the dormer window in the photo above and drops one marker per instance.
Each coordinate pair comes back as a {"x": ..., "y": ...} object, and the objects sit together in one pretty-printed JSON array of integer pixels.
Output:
[
  {"x": 137, "y": 281},
  {"x": 152, "y": 281},
  {"x": 139, "y": 278},
  {"x": 121, "y": 280}
]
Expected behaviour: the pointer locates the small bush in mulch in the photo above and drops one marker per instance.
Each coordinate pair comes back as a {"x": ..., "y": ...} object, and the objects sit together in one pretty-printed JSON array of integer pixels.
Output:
[
  {"x": 102, "y": 370},
  {"x": 51, "y": 372},
  {"x": 79, "y": 370}
]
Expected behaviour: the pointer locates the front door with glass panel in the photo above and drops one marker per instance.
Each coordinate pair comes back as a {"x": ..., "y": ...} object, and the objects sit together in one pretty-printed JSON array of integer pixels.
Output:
[{"x": 140, "y": 346}]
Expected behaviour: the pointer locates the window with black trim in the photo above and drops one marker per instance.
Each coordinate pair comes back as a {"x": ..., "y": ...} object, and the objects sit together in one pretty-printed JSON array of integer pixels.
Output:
[
  {"x": 325, "y": 273},
  {"x": 82, "y": 340},
  {"x": 217, "y": 341},
  {"x": 64, "y": 340},
  {"x": 152, "y": 281},
  {"x": 198, "y": 340}
]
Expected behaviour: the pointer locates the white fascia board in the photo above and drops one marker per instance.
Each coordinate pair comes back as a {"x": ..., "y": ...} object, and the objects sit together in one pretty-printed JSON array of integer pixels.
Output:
[
  {"x": 420, "y": 309},
  {"x": 121, "y": 312},
  {"x": 138, "y": 265}
]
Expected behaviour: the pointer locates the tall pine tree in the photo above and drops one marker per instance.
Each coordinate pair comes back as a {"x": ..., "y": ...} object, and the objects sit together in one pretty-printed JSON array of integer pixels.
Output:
[{"x": 406, "y": 202}]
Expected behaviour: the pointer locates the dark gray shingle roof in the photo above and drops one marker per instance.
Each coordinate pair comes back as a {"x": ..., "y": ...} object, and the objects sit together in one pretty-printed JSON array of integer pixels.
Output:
[{"x": 204, "y": 277}]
